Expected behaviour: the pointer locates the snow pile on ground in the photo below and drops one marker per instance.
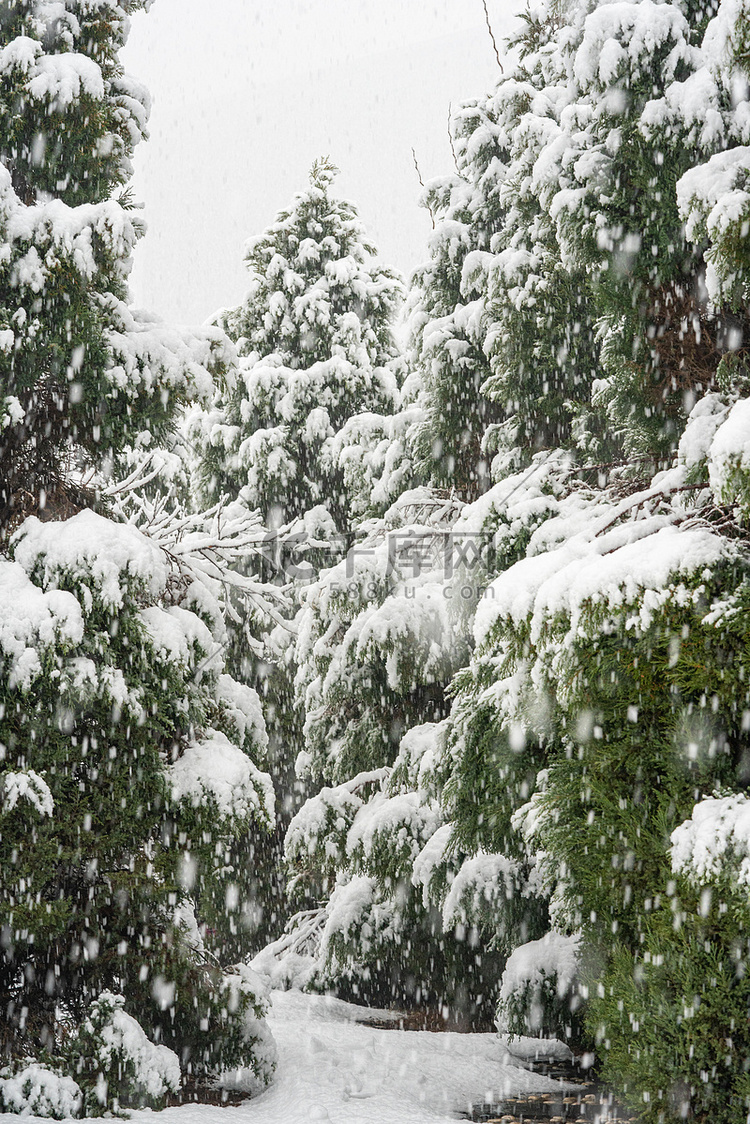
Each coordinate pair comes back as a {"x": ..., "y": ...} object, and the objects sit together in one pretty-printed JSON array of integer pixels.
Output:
[{"x": 331, "y": 1068}]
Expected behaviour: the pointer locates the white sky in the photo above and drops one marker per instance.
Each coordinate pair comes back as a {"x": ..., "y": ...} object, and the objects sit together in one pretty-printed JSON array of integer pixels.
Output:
[{"x": 247, "y": 93}]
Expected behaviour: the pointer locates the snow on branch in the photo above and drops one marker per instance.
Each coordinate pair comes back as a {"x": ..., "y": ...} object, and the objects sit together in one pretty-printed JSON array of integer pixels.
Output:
[{"x": 211, "y": 547}]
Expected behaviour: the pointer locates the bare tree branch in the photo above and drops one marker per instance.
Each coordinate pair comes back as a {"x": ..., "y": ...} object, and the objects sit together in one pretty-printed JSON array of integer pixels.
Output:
[
  {"x": 450, "y": 139},
  {"x": 421, "y": 183},
  {"x": 492, "y": 37}
]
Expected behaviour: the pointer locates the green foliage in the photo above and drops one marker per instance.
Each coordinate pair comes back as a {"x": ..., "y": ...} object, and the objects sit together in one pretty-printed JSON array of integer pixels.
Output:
[
  {"x": 656, "y": 719},
  {"x": 115, "y": 1064},
  {"x": 80, "y": 375},
  {"x": 314, "y": 334},
  {"x": 495, "y": 765},
  {"x": 370, "y": 658},
  {"x": 601, "y": 704},
  {"x": 111, "y": 707},
  {"x": 448, "y": 324},
  {"x": 671, "y": 1015}
]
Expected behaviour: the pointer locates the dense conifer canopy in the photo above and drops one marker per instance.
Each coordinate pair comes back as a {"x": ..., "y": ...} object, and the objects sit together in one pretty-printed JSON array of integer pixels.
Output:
[{"x": 477, "y": 611}]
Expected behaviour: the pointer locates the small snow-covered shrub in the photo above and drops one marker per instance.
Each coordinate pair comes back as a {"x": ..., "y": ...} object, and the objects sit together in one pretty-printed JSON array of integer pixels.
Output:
[
  {"x": 36, "y": 1090},
  {"x": 116, "y": 1064},
  {"x": 539, "y": 994},
  {"x": 212, "y": 1018},
  {"x": 358, "y": 916},
  {"x": 244, "y": 995},
  {"x": 291, "y": 960}
]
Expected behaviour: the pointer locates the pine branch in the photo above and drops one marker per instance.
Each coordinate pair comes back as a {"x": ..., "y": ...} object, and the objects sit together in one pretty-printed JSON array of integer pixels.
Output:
[{"x": 643, "y": 498}]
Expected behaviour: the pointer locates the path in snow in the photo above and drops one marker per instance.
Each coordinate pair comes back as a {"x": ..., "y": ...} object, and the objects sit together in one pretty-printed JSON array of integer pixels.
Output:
[{"x": 333, "y": 1069}]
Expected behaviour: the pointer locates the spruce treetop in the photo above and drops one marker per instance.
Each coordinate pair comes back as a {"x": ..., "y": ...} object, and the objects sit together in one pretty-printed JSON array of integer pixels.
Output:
[
  {"x": 323, "y": 172},
  {"x": 310, "y": 271},
  {"x": 315, "y": 338}
]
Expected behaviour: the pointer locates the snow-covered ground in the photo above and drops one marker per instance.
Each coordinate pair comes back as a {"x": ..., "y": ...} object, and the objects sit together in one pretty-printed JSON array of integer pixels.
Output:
[{"x": 333, "y": 1068}]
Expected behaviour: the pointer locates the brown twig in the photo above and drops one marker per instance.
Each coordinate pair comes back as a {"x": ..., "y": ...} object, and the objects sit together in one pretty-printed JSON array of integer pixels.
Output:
[
  {"x": 644, "y": 499},
  {"x": 421, "y": 183},
  {"x": 416, "y": 165},
  {"x": 450, "y": 141},
  {"x": 492, "y": 37}
]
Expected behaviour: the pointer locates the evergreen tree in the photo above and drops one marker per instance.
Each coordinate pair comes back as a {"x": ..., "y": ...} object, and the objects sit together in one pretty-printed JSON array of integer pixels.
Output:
[
  {"x": 316, "y": 358},
  {"x": 314, "y": 333},
  {"x": 541, "y": 339},
  {"x": 570, "y": 785},
  {"x": 604, "y": 702},
  {"x": 619, "y": 127},
  {"x": 128, "y": 771},
  {"x": 378, "y": 643},
  {"x": 74, "y": 360},
  {"x": 448, "y": 326},
  {"x": 128, "y": 774},
  {"x": 551, "y": 774},
  {"x": 502, "y": 356}
]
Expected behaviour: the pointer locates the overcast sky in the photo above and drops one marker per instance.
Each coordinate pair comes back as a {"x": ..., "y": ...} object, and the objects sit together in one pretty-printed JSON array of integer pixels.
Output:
[{"x": 247, "y": 93}]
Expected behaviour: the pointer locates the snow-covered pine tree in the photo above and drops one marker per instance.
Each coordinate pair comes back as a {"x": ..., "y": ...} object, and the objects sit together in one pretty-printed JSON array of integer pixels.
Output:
[
  {"x": 573, "y": 782},
  {"x": 112, "y": 689},
  {"x": 314, "y": 333},
  {"x": 378, "y": 642},
  {"x": 502, "y": 357},
  {"x": 74, "y": 359},
  {"x": 394, "y": 859},
  {"x": 128, "y": 774},
  {"x": 372, "y": 668},
  {"x": 612, "y": 659},
  {"x": 633, "y": 105},
  {"x": 541, "y": 343},
  {"x": 447, "y": 324},
  {"x": 576, "y": 718},
  {"x": 560, "y": 256},
  {"x": 607, "y": 689},
  {"x": 376, "y": 645},
  {"x": 317, "y": 356}
]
